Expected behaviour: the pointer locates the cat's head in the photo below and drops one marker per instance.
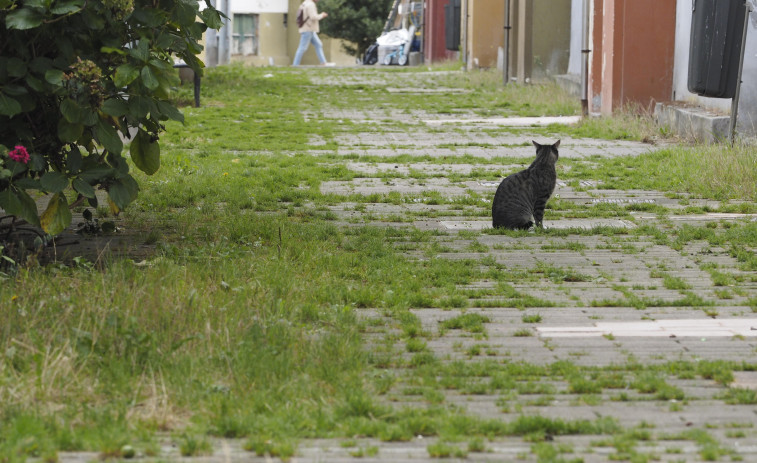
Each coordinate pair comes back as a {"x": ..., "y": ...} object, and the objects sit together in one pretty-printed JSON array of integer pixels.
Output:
[{"x": 547, "y": 150}]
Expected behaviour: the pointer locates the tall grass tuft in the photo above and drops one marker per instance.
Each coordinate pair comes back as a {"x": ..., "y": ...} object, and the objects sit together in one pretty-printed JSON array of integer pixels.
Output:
[{"x": 717, "y": 171}]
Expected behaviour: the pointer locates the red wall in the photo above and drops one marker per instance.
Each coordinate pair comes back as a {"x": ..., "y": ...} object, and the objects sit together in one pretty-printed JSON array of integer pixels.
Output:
[
  {"x": 632, "y": 53},
  {"x": 647, "y": 48},
  {"x": 434, "y": 45}
]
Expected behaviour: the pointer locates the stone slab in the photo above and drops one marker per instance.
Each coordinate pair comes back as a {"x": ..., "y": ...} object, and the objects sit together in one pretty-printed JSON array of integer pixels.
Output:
[
  {"x": 510, "y": 121},
  {"x": 584, "y": 224},
  {"x": 699, "y": 328},
  {"x": 708, "y": 217},
  {"x": 745, "y": 380},
  {"x": 693, "y": 122}
]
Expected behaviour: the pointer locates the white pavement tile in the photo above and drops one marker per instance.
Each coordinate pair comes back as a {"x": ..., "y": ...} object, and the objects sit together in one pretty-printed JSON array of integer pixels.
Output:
[
  {"x": 509, "y": 121},
  {"x": 702, "y": 328},
  {"x": 586, "y": 224}
]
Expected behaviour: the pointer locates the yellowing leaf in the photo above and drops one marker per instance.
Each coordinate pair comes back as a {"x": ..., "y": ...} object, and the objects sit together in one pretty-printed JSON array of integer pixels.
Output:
[{"x": 57, "y": 216}]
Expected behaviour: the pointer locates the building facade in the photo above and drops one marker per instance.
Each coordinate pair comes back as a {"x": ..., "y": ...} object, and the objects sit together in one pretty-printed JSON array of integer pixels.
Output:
[{"x": 264, "y": 33}]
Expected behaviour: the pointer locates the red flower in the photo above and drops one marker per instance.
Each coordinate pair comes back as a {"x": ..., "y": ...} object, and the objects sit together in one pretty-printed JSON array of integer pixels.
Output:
[{"x": 19, "y": 154}]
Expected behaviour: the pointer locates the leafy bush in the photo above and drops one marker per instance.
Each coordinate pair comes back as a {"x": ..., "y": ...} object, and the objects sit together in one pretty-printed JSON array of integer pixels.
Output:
[
  {"x": 78, "y": 77},
  {"x": 359, "y": 22}
]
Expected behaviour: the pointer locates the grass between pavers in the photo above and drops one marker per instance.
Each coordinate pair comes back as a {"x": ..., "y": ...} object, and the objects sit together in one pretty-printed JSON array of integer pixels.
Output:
[{"x": 246, "y": 322}]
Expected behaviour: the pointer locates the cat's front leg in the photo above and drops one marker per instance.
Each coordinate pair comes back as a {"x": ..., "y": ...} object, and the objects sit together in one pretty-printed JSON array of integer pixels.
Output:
[{"x": 539, "y": 212}]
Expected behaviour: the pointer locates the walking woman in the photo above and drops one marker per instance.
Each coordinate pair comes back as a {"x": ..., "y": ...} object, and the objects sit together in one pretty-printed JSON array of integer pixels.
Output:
[{"x": 309, "y": 32}]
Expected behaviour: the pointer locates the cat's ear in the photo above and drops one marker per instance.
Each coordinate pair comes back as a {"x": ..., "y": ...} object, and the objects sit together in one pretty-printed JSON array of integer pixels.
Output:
[
  {"x": 536, "y": 144},
  {"x": 556, "y": 145}
]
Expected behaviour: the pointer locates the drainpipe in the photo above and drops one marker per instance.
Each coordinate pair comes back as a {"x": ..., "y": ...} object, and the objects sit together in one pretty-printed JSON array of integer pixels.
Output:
[
  {"x": 585, "y": 59},
  {"x": 211, "y": 48},
  {"x": 464, "y": 18},
  {"x": 735, "y": 102},
  {"x": 506, "y": 63},
  {"x": 224, "y": 46}
]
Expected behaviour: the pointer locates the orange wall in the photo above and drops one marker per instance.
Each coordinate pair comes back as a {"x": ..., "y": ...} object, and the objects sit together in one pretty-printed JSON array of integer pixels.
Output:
[{"x": 647, "y": 65}]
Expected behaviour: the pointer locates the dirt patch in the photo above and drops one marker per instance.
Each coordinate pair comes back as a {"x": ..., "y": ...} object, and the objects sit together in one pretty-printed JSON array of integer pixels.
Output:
[{"x": 75, "y": 246}]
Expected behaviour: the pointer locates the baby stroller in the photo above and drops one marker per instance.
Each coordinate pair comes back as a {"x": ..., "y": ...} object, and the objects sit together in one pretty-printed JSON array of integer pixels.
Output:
[{"x": 402, "y": 52}]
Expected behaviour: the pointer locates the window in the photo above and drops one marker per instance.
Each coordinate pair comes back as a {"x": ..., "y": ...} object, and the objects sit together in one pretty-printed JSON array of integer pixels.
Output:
[{"x": 245, "y": 34}]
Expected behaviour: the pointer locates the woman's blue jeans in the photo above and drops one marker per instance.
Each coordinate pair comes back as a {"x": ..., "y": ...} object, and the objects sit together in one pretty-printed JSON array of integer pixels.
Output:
[{"x": 306, "y": 38}]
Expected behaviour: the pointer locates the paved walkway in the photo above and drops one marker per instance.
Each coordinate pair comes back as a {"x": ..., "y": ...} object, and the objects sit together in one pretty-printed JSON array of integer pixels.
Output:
[{"x": 592, "y": 316}]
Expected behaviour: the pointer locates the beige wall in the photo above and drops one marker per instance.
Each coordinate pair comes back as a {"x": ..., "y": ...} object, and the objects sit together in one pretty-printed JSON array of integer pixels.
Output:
[
  {"x": 485, "y": 31},
  {"x": 272, "y": 40},
  {"x": 278, "y": 43},
  {"x": 550, "y": 37}
]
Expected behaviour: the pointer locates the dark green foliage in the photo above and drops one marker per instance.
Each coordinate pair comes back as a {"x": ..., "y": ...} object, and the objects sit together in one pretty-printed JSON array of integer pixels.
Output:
[
  {"x": 78, "y": 77},
  {"x": 357, "y": 21}
]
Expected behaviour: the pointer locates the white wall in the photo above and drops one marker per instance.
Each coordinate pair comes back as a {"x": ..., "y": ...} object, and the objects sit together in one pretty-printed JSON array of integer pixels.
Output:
[
  {"x": 747, "y": 116},
  {"x": 576, "y": 34},
  {"x": 259, "y": 6}
]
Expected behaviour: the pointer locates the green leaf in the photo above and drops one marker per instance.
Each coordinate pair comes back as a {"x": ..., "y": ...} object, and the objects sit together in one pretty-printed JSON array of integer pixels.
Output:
[
  {"x": 69, "y": 132},
  {"x": 71, "y": 110},
  {"x": 164, "y": 41},
  {"x": 141, "y": 51},
  {"x": 115, "y": 107},
  {"x": 83, "y": 188},
  {"x": 23, "y": 18},
  {"x": 185, "y": 12},
  {"x": 9, "y": 106},
  {"x": 122, "y": 193},
  {"x": 26, "y": 183},
  {"x": 170, "y": 111},
  {"x": 211, "y": 18},
  {"x": 139, "y": 106},
  {"x": 73, "y": 160},
  {"x": 41, "y": 64},
  {"x": 145, "y": 153},
  {"x": 149, "y": 79},
  {"x": 150, "y": 17},
  {"x": 96, "y": 174},
  {"x": 35, "y": 84},
  {"x": 16, "y": 67},
  {"x": 89, "y": 116},
  {"x": 107, "y": 135},
  {"x": 18, "y": 203},
  {"x": 10, "y": 202},
  {"x": 53, "y": 182},
  {"x": 112, "y": 50},
  {"x": 37, "y": 163},
  {"x": 160, "y": 64},
  {"x": 125, "y": 74},
  {"x": 15, "y": 90},
  {"x": 66, "y": 7},
  {"x": 57, "y": 216},
  {"x": 54, "y": 76}
]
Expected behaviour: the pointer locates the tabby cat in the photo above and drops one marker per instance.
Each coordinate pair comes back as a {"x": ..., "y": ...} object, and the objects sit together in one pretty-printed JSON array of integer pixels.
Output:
[{"x": 520, "y": 198}]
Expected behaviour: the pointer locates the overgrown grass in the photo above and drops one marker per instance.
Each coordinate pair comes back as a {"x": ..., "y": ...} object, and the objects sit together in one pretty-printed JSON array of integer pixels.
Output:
[
  {"x": 246, "y": 319},
  {"x": 719, "y": 172}
]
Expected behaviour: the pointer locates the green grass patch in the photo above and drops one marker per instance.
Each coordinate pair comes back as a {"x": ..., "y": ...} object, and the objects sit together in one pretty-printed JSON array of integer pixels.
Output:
[{"x": 238, "y": 310}]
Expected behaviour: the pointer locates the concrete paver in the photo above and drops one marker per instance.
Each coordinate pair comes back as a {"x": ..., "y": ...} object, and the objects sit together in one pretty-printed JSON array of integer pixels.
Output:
[{"x": 581, "y": 327}]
